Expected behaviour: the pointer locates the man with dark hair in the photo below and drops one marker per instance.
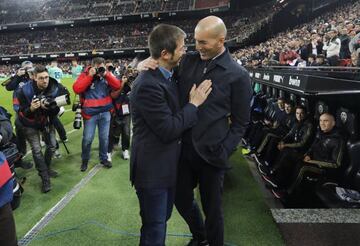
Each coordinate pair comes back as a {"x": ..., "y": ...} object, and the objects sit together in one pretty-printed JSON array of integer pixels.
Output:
[
  {"x": 35, "y": 116},
  {"x": 94, "y": 86},
  {"x": 159, "y": 122},
  {"x": 121, "y": 118}
]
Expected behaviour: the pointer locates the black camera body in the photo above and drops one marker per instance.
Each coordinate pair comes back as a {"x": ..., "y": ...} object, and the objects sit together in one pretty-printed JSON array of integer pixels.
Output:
[
  {"x": 50, "y": 102},
  {"x": 111, "y": 69},
  {"x": 100, "y": 71}
]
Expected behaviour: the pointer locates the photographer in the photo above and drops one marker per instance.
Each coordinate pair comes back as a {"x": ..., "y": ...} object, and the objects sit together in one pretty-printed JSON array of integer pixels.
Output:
[
  {"x": 39, "y": 104},
  {"x": 22, "y": 76},
  {"x": 120, "y": 120},
  {"x": 93, "y": 86}
]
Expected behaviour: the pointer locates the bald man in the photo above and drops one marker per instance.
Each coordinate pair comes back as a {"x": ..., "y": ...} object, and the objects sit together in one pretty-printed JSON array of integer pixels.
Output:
[{"x": 222, "y": 121}]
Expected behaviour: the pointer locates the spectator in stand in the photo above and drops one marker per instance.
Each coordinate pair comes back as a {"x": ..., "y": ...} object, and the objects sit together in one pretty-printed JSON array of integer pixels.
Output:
[
  {"x": 332, "y": 46},
  {"x": 93, "y": 86},
  {"x": 345, "y": 41},
  {"x": 320, "y": 61},
  {"x": 290, "y": 56},
  {"x": 311, "y": 60},
  {"x": 315, "y": 47}
]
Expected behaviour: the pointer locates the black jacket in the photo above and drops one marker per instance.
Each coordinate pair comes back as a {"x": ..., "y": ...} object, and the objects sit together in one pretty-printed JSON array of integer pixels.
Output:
[
  {"x": 224, "y": 116},
  {"x": 158, "y": 124},
  {"x": 122, "y": 98},
  {"x": 299, "y": 135},
  {"x": 327, "y": 149},
  {"x": 15, "y": 81}
]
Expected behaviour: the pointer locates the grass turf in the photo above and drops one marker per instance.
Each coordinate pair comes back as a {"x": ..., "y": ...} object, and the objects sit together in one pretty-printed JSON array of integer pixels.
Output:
[{"x": 107, "y": 206}]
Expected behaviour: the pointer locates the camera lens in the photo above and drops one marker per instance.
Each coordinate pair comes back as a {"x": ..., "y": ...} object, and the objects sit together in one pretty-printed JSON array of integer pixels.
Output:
[
  {"x": 101, "y": 70},
  {"x": 111, "y": 69}
]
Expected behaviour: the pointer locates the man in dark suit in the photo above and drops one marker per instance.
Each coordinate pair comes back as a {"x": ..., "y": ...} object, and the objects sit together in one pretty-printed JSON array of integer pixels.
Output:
[
  {"x": 158, "y": 124},
  {"x": 222, "y": 122}
]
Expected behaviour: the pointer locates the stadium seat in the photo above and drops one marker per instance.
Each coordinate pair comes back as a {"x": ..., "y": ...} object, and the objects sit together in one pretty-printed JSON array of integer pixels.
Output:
[{"x": 320, "y": 108}]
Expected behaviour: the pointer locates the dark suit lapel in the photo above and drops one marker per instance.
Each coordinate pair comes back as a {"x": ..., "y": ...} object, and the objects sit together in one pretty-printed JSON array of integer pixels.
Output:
[{"x": 170, "y": 90}]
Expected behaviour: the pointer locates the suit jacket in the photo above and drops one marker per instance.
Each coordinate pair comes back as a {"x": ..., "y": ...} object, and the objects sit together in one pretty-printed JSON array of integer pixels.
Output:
[
  {"x": 158, "y": 124},
  {"x": 224, "y": 116}
]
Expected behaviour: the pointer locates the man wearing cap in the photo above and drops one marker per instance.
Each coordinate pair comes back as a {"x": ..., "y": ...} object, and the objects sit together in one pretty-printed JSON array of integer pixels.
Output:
[{"x": 332, "y": 46}]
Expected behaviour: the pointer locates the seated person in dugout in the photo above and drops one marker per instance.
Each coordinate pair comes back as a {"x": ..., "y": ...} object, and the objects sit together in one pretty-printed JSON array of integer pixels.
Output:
[
  {"x": 278, "y": 131},
  {"x": 323, "y": 158},
  {"x": 278, "y": 117},
  {"x": 294, "y": 143}
]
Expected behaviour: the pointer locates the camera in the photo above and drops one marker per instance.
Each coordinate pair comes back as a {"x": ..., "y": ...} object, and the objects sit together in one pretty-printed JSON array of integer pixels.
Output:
[
  {"x": 49, "y": 102},
  {"x": 100, "y": 71},
  {"x": 111, "y": 69}
]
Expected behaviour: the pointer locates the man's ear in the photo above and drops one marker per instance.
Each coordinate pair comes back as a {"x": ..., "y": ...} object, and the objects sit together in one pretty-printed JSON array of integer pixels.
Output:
[{"x": 165, "y": 55}]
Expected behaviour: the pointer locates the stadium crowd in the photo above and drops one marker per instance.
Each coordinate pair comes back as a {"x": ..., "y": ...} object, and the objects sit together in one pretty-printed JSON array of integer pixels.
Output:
[
  {"x": 131, "y": 35},
  {"x": 332, "y": 39},
  {"x": 29, "y": 11}
]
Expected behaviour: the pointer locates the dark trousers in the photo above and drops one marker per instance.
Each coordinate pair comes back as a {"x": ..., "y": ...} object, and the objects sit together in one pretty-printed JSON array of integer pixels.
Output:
[
  {"x": 42, "y": 161},
  {"x": 155, "y": 210},
  {"x": 193, "y": 170},
  {"x": 20, "y": 137},
  {"x": 287, "y": 167},
  {"x": 7, "y": 226},
  {"x": 271, "y": 151},
  {"x": 59, "y": 128},
  {"x": 119, "y": 128}
]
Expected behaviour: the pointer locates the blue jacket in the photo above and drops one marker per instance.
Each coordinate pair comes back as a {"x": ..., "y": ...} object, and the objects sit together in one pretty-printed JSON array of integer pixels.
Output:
[
  {"x": 94, "y": 92},
  {"x": 97, "y": 98},
  {"x": 158, "y": 124},
  {"x": 15, "y": 83},
  {"x": 39, "y": 118}
]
